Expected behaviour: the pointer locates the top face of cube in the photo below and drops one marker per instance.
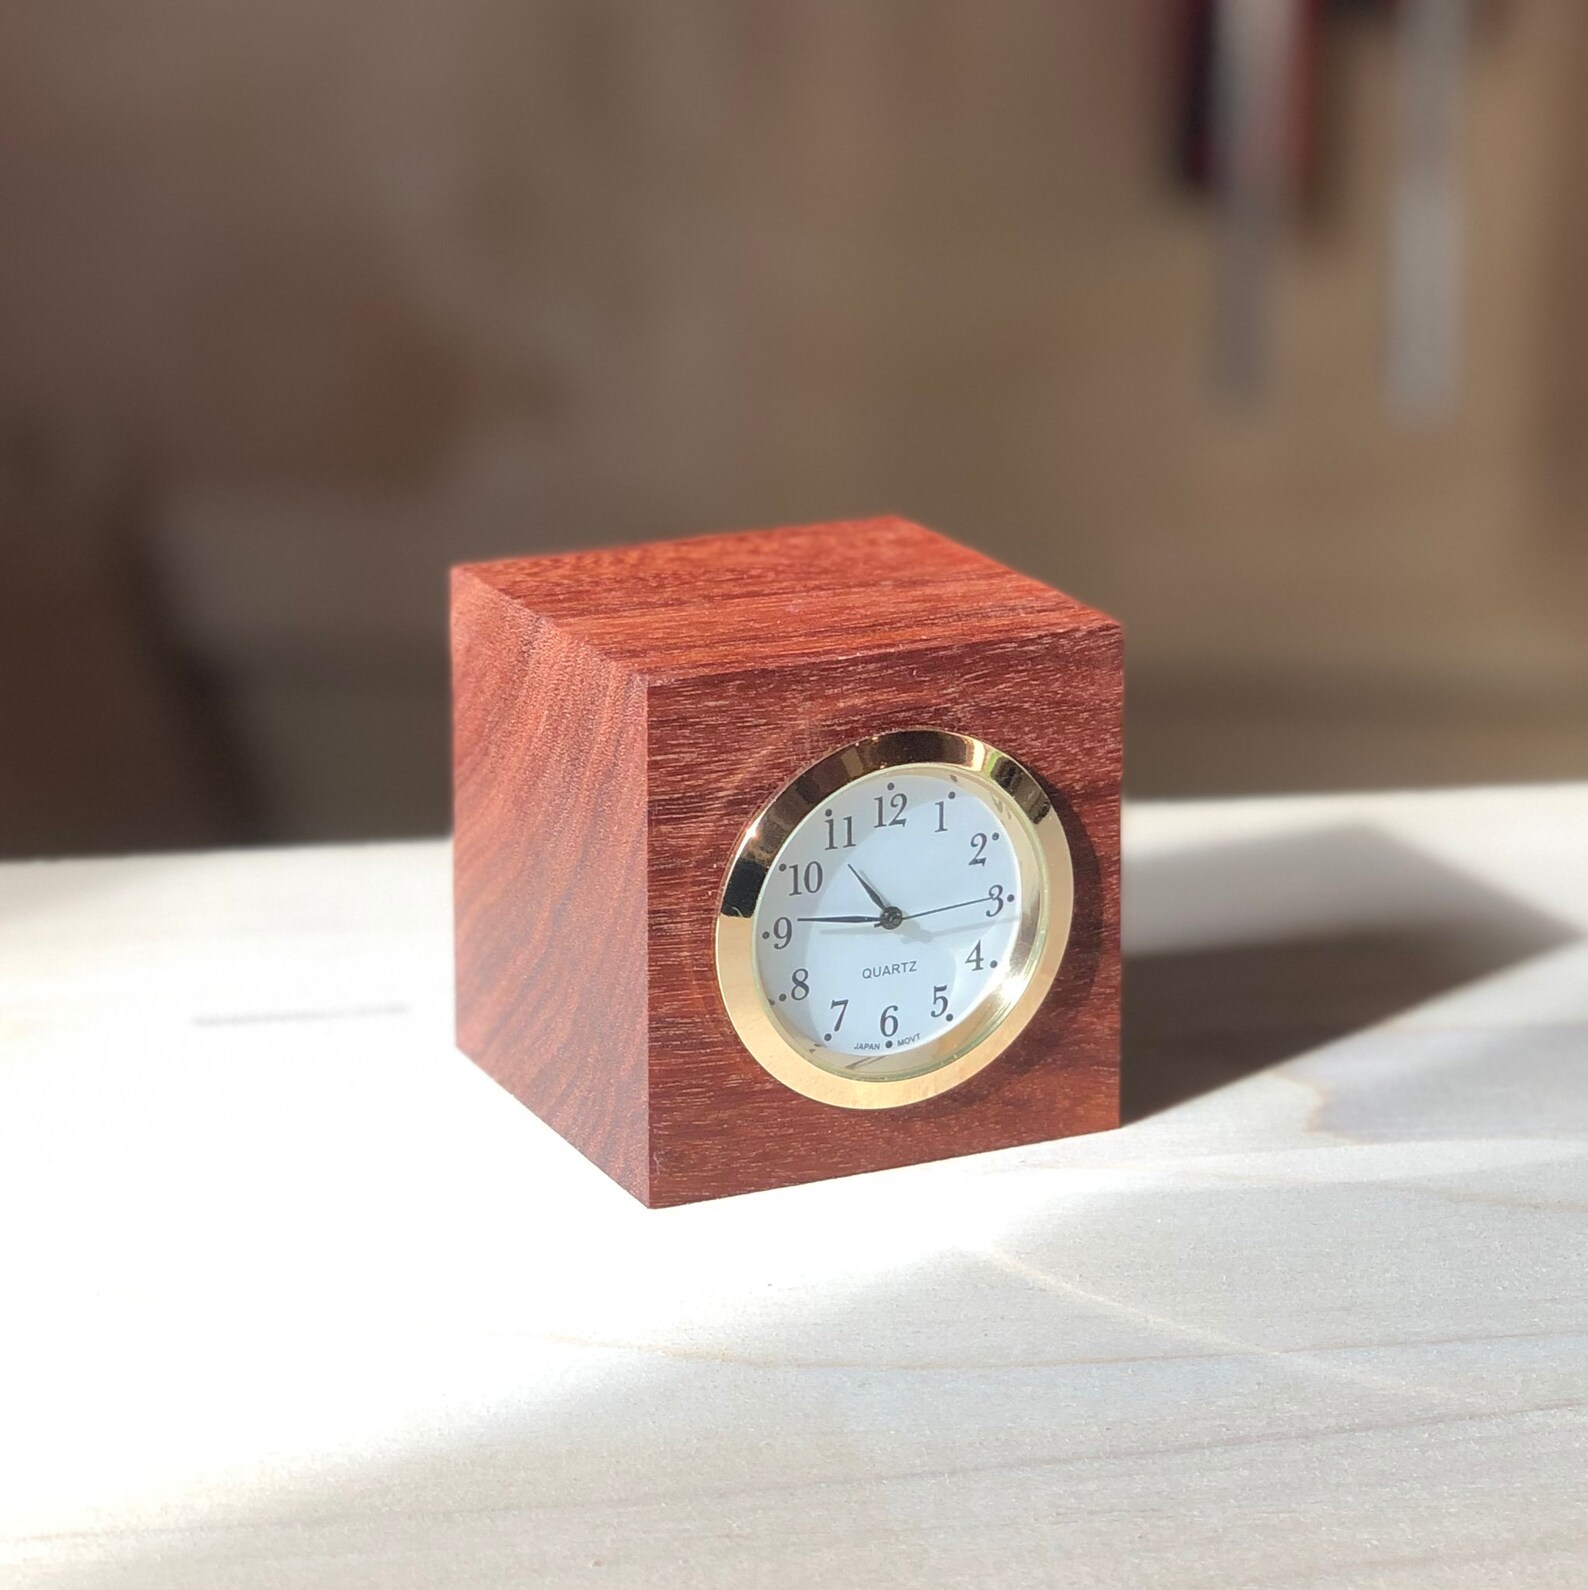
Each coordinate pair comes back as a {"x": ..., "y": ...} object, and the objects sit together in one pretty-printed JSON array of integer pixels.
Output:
[{"x": 779, "y": 598}]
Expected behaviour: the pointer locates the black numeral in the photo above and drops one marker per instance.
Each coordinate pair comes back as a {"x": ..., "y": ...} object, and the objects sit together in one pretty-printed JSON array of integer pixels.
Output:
[
  {"x": 842, "y": 1007},
  {"x": 890, "y": 1021},
  {"x": 940, "y": 1000},
  {"x": 942, "y": 818},
  {"x": 782, "y": 933},
  {"x": 896, "y": 804},
  {"x": 978, "y": 850},
  {"x": 849, "y": 833},
  {"x": 810, "y": 875},
  {"x": 802, "y": 985},
  {"x": 997, "y": 899},
  {"x": 974, "y": 959}
]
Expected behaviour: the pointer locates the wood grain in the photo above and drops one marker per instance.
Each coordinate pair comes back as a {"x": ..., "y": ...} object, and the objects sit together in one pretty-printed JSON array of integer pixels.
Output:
[
  {"x": 689, "y": 681},
  {"x": 549, "y": 874}
]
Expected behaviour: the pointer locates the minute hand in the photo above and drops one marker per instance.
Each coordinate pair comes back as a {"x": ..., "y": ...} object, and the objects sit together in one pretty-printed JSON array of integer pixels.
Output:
[{"x": 959, "y": 905}]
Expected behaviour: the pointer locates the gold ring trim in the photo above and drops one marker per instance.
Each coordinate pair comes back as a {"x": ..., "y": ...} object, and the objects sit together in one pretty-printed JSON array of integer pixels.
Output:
[{"x": 1001, "y": 1017}]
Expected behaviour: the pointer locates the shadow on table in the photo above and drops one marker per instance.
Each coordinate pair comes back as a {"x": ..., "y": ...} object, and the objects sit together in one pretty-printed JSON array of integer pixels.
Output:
[
  {"x": 521, "y": 1436},
  {"x": 1241, "y": 956}
]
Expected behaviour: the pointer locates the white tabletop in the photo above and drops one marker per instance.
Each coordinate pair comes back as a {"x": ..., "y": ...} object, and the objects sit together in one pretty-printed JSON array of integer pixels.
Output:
[{"x": 291, "y": 1295}]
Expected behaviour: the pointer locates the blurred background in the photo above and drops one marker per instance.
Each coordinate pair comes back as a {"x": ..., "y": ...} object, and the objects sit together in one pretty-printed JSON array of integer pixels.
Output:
[{"x": 1259, "y": 323}]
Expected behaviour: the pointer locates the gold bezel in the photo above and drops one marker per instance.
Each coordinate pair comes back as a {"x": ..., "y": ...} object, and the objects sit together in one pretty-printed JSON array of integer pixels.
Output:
[{"x": 1046, "y": 913}]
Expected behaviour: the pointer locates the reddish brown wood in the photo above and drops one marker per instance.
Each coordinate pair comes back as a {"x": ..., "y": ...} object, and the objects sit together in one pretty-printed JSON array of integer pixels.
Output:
[
  {"x": 549, "y": 874},
  {"x": 620, "y": 717}
]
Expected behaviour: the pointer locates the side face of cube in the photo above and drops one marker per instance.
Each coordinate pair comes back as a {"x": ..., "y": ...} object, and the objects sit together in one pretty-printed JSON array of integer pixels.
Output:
[{"x": 550, "y": 874}]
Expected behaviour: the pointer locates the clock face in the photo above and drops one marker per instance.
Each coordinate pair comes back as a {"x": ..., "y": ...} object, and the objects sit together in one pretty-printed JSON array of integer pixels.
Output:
[
  {"x": 891, "y": 913},
  {"x": 902, "y": 907}
]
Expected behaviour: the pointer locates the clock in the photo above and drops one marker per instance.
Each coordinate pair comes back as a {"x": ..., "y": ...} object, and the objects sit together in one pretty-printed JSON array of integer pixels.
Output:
[
  {"x": 786, "y": 854},
  {"x": 893, "y": 917}
]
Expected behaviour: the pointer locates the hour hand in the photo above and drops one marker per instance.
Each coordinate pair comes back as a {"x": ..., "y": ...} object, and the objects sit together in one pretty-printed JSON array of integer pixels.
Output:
[
  {"x": 870, "y": 919},
  {"x": 876, "y": 899}
]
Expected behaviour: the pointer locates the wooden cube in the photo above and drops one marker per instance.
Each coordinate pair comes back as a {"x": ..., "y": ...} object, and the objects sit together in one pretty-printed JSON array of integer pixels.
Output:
[{"x": 622, "y": 715}]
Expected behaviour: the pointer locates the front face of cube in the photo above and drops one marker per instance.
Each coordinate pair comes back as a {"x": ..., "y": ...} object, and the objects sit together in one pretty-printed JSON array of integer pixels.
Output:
[{"x": 882, "y": 911}]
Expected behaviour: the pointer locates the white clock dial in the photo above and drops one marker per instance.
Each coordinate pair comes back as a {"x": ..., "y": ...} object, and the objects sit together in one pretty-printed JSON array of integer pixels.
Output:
[{"x": 896, "y": 916}]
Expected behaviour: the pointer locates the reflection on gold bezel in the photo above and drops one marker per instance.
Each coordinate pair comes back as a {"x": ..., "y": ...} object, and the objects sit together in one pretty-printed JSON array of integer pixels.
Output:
[{"x": 1047, "y": 893}]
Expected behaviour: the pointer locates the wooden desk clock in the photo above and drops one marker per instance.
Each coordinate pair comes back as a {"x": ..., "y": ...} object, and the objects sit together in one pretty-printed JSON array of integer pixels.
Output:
[{"x": 787, "y": 854}]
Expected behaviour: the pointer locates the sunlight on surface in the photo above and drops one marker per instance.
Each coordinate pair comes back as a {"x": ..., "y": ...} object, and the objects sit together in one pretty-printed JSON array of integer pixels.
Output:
[{"x": 277, "y": 1243}]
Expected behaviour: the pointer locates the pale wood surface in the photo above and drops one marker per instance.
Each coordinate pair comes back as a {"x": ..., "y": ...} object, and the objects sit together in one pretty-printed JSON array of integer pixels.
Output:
[{"x": 290, "y": 1294}]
